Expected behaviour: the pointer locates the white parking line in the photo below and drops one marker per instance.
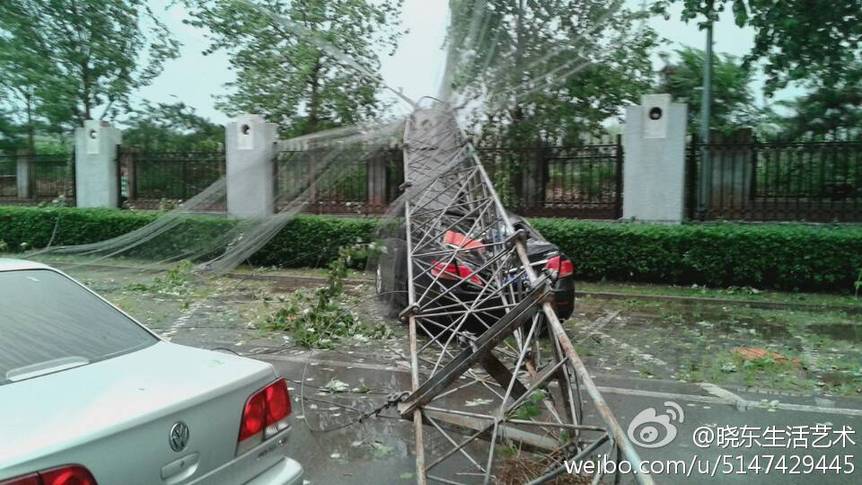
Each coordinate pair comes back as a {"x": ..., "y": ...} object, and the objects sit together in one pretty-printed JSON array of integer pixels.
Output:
[{"x": 182, "y": 320}]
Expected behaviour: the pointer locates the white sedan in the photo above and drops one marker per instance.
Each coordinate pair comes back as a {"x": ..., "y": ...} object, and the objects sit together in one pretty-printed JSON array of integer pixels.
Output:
[{"x": 90, "y": 396}]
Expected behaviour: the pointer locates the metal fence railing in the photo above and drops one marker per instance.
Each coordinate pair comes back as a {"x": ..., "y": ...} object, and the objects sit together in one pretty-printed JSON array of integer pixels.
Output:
[
  {"x": 150, "y": 179},
  {"x": 45, "y": 178},
  {"x": 359, "y": 181},
  {"x": 574, "y": 181},
  {"x": 789, "y": 181},
  {"x": 8, "y": 177},
  {"x": 577, "y": 181}
]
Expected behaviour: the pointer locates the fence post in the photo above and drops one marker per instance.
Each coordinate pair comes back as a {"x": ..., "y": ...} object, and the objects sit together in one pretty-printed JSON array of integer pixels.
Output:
[
  {"x": 654, "y": 169},
  {"x": 691, "y": 178},
  {"x": 96, "y": 167},
  {"x": 24, "y": 172},
  {"x": 129, "y": 161},
  {"x": 376, "y": 175},
  {"x": 618, "y": 198},
  {"x": 250, "y": 143}
]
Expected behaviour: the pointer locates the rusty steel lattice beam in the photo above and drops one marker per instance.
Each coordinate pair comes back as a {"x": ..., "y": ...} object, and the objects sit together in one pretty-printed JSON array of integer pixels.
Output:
[{"x": 483, "y": 373}]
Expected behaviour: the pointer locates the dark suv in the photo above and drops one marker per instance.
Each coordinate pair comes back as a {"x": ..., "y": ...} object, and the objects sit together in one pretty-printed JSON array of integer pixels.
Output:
[{"x": 391, "y": 275}]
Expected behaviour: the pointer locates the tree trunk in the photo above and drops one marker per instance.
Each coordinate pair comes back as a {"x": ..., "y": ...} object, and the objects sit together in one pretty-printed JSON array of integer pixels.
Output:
[
  {"x": 314, "y": 99},
  {"x": 31, "y": 130},
  {"x": 85, "y": 78},
  {"x": 517, "y": 113}
]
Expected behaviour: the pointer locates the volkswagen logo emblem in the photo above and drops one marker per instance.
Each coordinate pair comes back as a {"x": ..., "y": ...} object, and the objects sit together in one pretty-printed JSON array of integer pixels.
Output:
[{"x": 179, "y": 436}]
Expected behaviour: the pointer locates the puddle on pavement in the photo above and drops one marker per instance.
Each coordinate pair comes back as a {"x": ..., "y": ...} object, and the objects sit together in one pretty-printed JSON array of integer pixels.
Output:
[{"x": 838, "y": 331}]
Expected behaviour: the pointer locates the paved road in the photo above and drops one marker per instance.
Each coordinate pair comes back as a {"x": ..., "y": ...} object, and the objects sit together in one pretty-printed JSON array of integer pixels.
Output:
[{"x": 380, "y": 449}]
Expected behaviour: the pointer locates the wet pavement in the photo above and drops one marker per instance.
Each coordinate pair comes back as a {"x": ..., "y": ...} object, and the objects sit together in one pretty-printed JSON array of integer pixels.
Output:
[
  {"x": 643, "y": 355},
  {"x": 379, "y": 450}
]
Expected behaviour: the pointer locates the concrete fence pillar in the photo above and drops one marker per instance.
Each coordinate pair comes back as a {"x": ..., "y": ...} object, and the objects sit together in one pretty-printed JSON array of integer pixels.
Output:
[
  {"x": 24, "y": 174},
  {"x": 654, "y": 167},
  {"x": 250, "y": 145},
  {"x": 96, "y": 176}
]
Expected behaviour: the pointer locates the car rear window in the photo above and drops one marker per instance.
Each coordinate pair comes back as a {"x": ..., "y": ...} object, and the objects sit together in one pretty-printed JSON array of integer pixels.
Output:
[{"x": 49, "y": 323}]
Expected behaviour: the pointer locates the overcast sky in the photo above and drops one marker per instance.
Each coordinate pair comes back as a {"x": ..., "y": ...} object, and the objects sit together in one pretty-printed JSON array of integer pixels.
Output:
[{"x": 416, "y": 66}]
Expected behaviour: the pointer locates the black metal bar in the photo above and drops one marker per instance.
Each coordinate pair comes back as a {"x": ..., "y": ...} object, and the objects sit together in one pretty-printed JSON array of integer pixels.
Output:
[
  {"x": 469, "y": 356},
  {"x": 618, "y": 178}
]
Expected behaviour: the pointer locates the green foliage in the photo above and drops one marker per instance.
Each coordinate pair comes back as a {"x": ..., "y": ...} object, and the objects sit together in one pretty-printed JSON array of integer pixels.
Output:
[
  {"x": 543, "y": 70},
  {"x": 532, "y": 406},
  {"x": 787, "y": 257},
  {"x": 175, "y": 282},
  {"x": 314, "y": 322},
  {"x": 171, "y": 127},
  {"x": 831, "y": 108},
  {"x": 319, "y": 319},
  {"x": 307, "y": 241},
  {"x": 857, "y": 285},
  {"x": 732, "y": 97},
  {"x": 797, "y": 39},
  {"x": 284, "y": 54},
  {"x": 777, "y": 256},
  {"x": 72, "y": 56}
]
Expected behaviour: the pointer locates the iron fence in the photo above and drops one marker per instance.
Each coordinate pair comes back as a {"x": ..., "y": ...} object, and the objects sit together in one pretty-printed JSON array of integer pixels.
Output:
[
  {"x": 777, "y": 180},
  {"x": 46, "y": 177},
  {"x": 8, "y": 177},
  {"x": 153, "y": 179},
  {"x": 363, "y": 180},
  {"x": 575, "y": 181}
]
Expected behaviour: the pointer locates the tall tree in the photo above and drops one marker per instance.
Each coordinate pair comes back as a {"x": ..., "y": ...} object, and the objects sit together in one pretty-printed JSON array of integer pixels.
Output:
[
  {"x": 10, "y": 134},
  {"x": 24, "y": 81},
  {"x": 733, "y": 100},
  {"x": 829, "y": 109},
  {"x": 171, "y": 127},
  {"x": 87, "y": 54},
  {"x": 288, "y": 57},
  {"x": 798, "y": 40},
  {"x": 546, "y": 70}
]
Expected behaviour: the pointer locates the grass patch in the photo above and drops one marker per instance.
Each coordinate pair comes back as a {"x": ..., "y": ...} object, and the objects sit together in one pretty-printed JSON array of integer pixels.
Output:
[{"x": 739, "y": 293}]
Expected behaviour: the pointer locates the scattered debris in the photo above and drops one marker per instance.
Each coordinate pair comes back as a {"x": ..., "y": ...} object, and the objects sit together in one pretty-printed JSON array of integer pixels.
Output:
[
  {"x": 336, "y": 386},
  {"x": 757, "y": 354},
  {"x": 321, "y": 318}
]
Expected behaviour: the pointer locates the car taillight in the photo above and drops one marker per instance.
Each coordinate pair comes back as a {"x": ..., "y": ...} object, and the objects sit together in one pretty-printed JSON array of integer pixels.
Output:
[
  {"x": 253, "y": 416},
  {"x": 277, "y": 407},
  {"x": 264, "y": 415},
  {"x": 561, "y": 265},
  {"x": 455, "y": 271},
  {"x": 63, "y": 475}
]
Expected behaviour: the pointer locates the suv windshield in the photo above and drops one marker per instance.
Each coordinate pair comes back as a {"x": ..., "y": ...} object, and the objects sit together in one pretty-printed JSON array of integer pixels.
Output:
[{"x": 49, "y": 323}]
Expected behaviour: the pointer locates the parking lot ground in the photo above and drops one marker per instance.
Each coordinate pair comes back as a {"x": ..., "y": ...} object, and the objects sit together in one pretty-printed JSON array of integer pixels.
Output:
[
  {"x": 379, "y": 450},
  {"x": 725, "y": 366}
]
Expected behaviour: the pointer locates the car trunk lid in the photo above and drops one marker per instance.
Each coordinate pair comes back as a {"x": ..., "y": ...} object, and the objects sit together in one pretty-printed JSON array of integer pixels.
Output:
[{"x": 116, "y": 416}]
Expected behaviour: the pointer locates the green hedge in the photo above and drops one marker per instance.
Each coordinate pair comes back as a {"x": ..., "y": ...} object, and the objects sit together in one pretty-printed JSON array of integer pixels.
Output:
[
  {"x": 307, "y": 241},
  {"x": 789, "y": 257},
  {"x": 779, "y": 256}
]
